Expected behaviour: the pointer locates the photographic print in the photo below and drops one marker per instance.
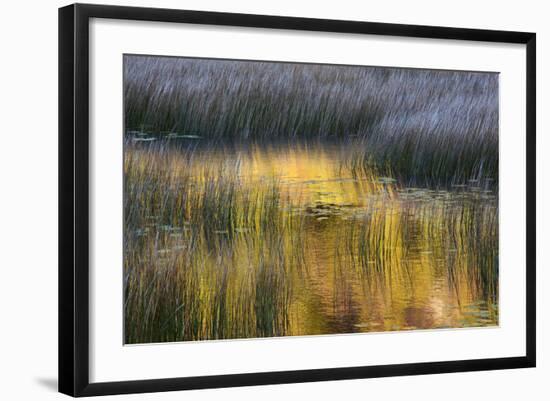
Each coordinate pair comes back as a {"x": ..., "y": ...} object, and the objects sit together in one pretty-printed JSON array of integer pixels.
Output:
[{"x": 268, "y": 199}]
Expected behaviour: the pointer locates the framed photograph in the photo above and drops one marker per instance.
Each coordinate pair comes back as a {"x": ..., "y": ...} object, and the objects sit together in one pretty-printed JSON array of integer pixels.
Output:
[{"x": 251, "y": 199}]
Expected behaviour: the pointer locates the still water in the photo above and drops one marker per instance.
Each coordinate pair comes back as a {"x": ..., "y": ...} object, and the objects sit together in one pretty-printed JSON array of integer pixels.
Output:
[{"x": 279, "y": 240}]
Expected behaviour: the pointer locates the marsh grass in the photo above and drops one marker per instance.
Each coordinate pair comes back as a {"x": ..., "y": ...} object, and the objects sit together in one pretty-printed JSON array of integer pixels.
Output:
[
  {"x": 462, "y": 239},
  {"x": 205, "y": 256},
  {"x": 212, "y": 252},
  {"x": 425, "y": 127},
  {"x": 271, "y": 199}
]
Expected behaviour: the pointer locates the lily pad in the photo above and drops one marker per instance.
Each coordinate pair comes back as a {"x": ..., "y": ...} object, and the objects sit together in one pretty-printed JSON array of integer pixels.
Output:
[
  {"x": 183, "y": 136},
  {"x": 386, "y": 180}
]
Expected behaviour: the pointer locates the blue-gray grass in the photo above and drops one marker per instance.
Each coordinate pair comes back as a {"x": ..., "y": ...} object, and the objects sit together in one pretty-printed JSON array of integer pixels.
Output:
[
  {"x": 211, "y": 253},
  {"x": 420, "y": 126}
]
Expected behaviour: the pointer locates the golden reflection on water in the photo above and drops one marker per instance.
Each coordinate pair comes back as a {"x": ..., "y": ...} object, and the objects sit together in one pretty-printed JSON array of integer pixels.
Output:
[
  {"x": 355, "y": 254},
  {"x": 414, "y": 291}
]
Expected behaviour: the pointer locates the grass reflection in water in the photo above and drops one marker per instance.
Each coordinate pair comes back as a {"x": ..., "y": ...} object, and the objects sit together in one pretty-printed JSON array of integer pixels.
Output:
[{"x": 277, "y": 239}]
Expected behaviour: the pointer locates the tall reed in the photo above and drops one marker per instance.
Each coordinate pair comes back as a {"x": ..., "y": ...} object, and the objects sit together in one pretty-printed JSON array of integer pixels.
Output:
[
  {"x": 213, "y": 253},
  {"x": 423, "y": 126}
]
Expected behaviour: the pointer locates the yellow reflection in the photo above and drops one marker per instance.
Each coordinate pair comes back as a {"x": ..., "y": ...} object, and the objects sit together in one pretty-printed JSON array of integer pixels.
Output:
[{"x": 285, "y": 240}]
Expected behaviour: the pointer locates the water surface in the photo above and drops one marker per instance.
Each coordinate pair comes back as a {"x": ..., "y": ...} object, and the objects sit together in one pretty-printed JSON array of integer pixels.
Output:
[{"x": 291, "y": 239}]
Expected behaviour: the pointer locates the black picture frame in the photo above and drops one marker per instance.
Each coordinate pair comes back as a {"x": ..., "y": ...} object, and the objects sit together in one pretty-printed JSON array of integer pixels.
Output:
[{"x": 74, "y": 198}]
